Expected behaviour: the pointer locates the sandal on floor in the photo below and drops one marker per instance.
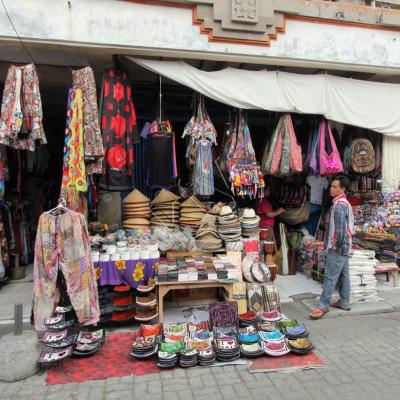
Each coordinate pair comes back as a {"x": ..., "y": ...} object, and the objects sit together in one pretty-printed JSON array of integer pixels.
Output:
[
  {"x": 317, "y": 313},
  {"x": 337, "y": 305}
]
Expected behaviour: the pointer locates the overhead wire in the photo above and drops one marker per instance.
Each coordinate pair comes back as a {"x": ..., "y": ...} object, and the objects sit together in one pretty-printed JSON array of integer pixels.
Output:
[{"x": 25, "y": 49}]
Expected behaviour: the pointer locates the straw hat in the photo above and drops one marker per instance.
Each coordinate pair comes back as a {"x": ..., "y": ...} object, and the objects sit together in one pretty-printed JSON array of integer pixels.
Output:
[
  {"x": 249, "y": 217},
  {"x": 225, "y": 210},
  {"x": 164, "y": 196},
  {"x": 136, "y": 221},
  {"x": 167, "y": 224},
  {"x": 192, "y": 202},
  {"x": 136, "y": 207},
  {"x": 194, "y": 215},
  {"x": 136, "y": 197}
]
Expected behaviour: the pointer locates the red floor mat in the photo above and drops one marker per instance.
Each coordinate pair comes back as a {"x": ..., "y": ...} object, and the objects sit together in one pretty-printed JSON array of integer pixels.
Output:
[
  {"x": 113, "y": 360},
  {"x": 289, "y": 362}
]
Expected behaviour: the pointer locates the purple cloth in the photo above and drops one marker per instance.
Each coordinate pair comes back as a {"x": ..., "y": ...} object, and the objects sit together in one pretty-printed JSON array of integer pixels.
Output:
[
  {"x": 131, "y": 272},
  {"x": 146, "y": 130}
]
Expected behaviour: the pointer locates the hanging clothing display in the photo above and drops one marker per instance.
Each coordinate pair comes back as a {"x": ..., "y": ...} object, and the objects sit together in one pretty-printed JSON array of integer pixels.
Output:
[
  {"x": 202, "y": 135},
  {"x": 203, "y": 174},
  {"x": 21, "y": 110},
  {"x": 83, "y": 79},
  {"x": 74, "y": 176},
  {"x": 62, "y": 246},
  {"x": 118, "y": 124},
  {"x": 284, "y": 155},
  {"x": 161, "y": 170}
]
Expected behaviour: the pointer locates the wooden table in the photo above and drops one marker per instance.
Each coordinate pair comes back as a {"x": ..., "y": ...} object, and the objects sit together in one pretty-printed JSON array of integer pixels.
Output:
[
  {"x": 391, "y": 268},
  {"x": 165, "y": 287}
]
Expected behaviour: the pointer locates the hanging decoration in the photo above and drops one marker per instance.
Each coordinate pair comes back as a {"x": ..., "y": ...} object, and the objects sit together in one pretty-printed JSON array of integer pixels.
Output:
[
  {"x": 239, "y": 157},
  {"x": 74, "y": 177},
  {"x": 119, "y": 128},
  {"x": 21, "y": 110},
  {"x": 83, "y": 79},
  {"x": 284, "y": 157},
  {"x": 202, "y": 135}
]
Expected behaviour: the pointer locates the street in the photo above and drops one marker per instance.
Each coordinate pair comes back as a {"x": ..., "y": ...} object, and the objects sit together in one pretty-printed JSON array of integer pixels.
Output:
[{"x": 361, "y": 352}]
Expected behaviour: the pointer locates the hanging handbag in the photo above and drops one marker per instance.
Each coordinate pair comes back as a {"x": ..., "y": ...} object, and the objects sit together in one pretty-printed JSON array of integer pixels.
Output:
[
  {"x": 314, "y": 159},
  {"x": 272, "y": 149},
  {"x": 330, "y": 164},
  {"x": 295, "y": 216},
  {"x": 296, "y": 159}
]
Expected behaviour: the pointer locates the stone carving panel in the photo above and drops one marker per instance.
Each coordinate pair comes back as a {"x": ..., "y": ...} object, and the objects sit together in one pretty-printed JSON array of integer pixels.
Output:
[{"x": 245, "y": 11}]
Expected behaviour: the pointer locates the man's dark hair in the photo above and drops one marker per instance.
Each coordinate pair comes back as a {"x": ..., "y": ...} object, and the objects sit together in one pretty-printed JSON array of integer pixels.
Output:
[{"x": 343, "y": 181}]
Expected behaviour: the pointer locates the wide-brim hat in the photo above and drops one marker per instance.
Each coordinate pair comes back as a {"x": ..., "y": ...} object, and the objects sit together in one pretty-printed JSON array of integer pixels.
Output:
[
  {"x": 250, "y": 221},
  {"x": 164, "y": 196},
  {"x": 190, "y": 211},
  {"x": 136, "y": 197},
  {"x": 201, "y": 233},
  {"x": 139, "y": 207},
  {"x": 193, "y": 202},
  {"x": 136, "y": 221},
  {"x": 136, "y": 226},
  {"x": 225, "y": 210},
  {"x": 167, "y": 224},
  {"x": 137, "y": 215},
  {"x": 195, "y": 215}
]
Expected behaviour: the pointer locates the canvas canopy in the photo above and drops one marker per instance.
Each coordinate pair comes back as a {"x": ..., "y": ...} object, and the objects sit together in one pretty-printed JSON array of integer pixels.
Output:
[{"x": 371, "y": 105}]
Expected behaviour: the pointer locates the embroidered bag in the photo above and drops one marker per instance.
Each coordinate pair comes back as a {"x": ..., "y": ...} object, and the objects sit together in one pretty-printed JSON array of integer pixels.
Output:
[
  {"x": 296, "y": 160},
  {"x": 330, "y": 164},
  {"x": 362, "y": 156}
]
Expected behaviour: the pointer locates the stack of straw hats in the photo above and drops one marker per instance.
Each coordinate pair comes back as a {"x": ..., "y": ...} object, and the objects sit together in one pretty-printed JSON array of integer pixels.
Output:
[
  {"x": 165, "y": 209},
  {"x": 136, "y": 210},
  {"x": 250, "y": 223},
  {"x": 192, "y": 211},
  {"x": 229, "y": 227},
  {"x": 207, "y": 237}
]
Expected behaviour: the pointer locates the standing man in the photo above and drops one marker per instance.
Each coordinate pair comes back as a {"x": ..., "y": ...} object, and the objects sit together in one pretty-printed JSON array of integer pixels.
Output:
[{"x": 338, "y": 248}]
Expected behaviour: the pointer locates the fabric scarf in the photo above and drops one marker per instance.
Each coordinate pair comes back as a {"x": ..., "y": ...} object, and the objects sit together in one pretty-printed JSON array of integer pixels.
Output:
[
  {"x": 332, "y": 231},
  {"x": 74, "y": 176},
  {"x": 83, "y": 79}
]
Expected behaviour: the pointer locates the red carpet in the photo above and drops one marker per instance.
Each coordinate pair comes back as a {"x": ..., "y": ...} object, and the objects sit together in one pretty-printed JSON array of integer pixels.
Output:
[
  {"x": 113, "y": 360},
  {"x": 289, "y": 362}
]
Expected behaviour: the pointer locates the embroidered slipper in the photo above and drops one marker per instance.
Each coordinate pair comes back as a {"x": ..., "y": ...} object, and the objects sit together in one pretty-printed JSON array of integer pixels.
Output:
[
  {"x": 337, "y": 305},
  {"x": 317, "y": 313}
]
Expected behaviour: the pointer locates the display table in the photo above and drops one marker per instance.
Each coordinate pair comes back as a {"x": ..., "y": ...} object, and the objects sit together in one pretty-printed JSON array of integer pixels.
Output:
[
  {"x": 390, "y": 268},
  {"x": 165, "y": 287}
]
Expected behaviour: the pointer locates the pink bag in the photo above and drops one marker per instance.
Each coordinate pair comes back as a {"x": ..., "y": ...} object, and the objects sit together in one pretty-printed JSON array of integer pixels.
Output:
[
  {"x": 296, "y": 158},
  {"x": 330, "y": 164},
  {"x": 277, "y": 155}
]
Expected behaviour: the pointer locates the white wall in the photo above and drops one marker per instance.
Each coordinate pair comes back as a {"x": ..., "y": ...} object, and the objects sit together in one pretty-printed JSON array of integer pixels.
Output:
[{"x": 142, "y": 29}]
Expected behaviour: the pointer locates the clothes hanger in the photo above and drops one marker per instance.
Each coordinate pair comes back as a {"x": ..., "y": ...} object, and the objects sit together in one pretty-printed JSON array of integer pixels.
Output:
[{"x": 60, "y": 208}]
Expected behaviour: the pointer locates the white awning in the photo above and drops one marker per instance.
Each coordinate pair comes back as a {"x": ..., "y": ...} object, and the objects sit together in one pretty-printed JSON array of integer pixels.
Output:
[{"x": 371, "y": 105}]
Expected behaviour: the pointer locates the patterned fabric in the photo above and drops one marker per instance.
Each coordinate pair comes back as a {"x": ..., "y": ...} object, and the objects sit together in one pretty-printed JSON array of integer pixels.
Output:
[
  {"x": 255, "y": 297},
  {"x": 21, "y": 110},
  {"x": 74, "y": 176},
  {"x": 62, "y": 245},
  {"x": 131, "y": 272},
  {"x": 83, "y": 79},
  {"x": 223, "y": 314},
  {"x": 203, "y": 176},
  {"x": 118, "y": 124}
]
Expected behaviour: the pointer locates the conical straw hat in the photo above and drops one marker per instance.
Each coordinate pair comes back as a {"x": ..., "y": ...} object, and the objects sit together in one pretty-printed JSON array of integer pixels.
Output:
[
  {"x": 136, "y": 221},
  {"x": 192, "y": 202},
  {"x": 165, "y": 196},
  {"x": 136, "y": 197}
]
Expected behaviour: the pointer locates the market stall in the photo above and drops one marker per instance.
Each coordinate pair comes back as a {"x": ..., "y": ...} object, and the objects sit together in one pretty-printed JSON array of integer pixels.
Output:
[{"x": 147, "y": 206}]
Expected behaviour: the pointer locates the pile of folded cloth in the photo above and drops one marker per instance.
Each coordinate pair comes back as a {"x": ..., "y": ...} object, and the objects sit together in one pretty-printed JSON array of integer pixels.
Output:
[
  {"x": 165, "y": 209},
  {"x": 146, "y": 341},
  {"x": 250, "y": 223},
  {"x": 207, "y": 238},
  {"x": 191, "y": 212},
  {"x": 226, "y": 344},
  {"x": 362, "y": 265},
  {"x": 248, "y": 318},
  {"x": 229, "y": 226}
]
